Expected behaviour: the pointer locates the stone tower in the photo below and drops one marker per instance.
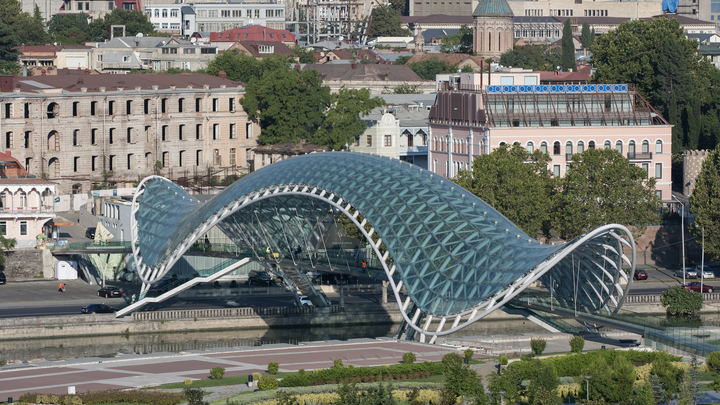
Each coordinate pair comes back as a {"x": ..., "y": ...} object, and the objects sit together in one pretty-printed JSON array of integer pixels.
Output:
[
  {"x": 419, "y": 41},
  {"x": 492, "y": 28}
]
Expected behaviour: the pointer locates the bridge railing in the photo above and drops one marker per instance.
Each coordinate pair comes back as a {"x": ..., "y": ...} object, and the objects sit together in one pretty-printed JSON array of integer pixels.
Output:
[{"x": 90, "y": 245}]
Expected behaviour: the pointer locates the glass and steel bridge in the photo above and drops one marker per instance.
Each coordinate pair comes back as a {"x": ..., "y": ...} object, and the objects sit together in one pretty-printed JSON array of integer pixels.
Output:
[{"x": 448, "y": 255}]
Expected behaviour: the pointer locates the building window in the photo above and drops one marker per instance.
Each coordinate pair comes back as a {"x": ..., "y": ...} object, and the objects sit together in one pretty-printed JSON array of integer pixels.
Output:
[
  {"x": 164, "y": 13},
  {"x": 181, "y": 104},
  {"x": 129, "y": 161},
  {"x": 164, "y": 132},
  {"x": 129, "y": 135},
  {"x": 8, "y": 140},
  {"x": 111, "y": 163},
  {"x": 568, "y": 148},
  {"x": 232, "y": 156},
  {"x": 556, "y": 170},
  {"x": 248, "y": 130},
  {"x": 198, "y": 104},
  {"x": 591, "y": 145},
  {"x": 93, "y": 163},
  {"x": 543, "y": 148},
  {"x": 181, "y": 159},
  {"x": 198, "y": 157},
  {"x": 23, "y": 228},
  {"x": 216, "y": 132},
  {"x": 619, "y": 146},
  {"x": 3, "y": 228},
  {"x": 146, "y": 106},
  {"x": 646, "y": 168},
  {"x": 369, "y": 140},
  {"x": 8, "y": 110},
  {"x": 181, "y": 129},
  {"x": 388, "y": 140},
  {"x": 658, "y": 146},
  {"x": 111, "y": 135},
  {"x": 75, "y": 163},
  {"x": 93, "y": 108},
  {"x": 357, "y": 141},
  {"x": 163, "y": 106},
  {"x": 556, "y": 148},
  {"x": 76, "y": 135},
  {"x": 530, "y": 147},
  {"x": 111, "y": 107},
  {"x": 28, "y": 138},
  {"x": 75, "y": 108},
  {"x": 128, "y": 107},
  {"x": 214, "y": 105},
  {"x": 658, "y": 194},
  {"x": 198, "y": 131},
  {"x": 93, "y": 138},
  {"x": 231, "y": 104},
  {"x": 217, "y": 160},
  {"x": 580, "y": 147},
  {"x": 658, "y": 170},
  {"x": 607, "y": 145},
  {"x": 232, "y": 131},
  {"x": 165, "y": 159}
]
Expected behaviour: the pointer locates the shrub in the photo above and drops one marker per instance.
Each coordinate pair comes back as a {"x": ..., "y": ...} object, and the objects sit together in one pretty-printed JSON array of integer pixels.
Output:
[
  {"x": 363, "y": 374},
  {"x": 469, "y": 354},
  {"x": 451, "y": 360},
  {"x": 337, "y": 363},
  {"x": 577, "y": 343},
  {"x": 256, "y": 376},
  {"x": 681, "y": 301},
  {"x": 538, "y": 346},
  {"x": 107, "y": 397},
  {"x": 267, "y": 383},
  {"x": 217, "y": 373},
  {"x": 273, "y": 367},
  {"x": 188, "y": 381},
  {"x": 503, "y": 360},
  {"x": 194, "y": 395},
  {"x": 409, "y": 358},
  {"x": 301, "y": 371}
]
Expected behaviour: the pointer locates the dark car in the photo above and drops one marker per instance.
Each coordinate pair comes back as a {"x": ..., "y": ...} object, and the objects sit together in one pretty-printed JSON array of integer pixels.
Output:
[
  {"x": 98, "y": 309},
  {"x": 695, "y": 286},
  {"x": 260, "y": 277},
  {"x": 3, "y": 280},
  {"x": 110, "y": 292},
  {"x": 334, "y": 278},
  {"x": 90, "y": 233},
  {"x": 641, "y": 275}
]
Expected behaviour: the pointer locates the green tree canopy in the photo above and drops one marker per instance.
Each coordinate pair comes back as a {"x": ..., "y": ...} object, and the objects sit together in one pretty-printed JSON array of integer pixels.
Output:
[
  {"x": 568, "y": 48},
  {"x": 461, "y": 42},
  {"x": 135, "y": 22},
  {"x": 536, "y": 57},
  {"x": 602, "y": 187},
  {"x": 516, "y": 183},
  {"x": 342, "y": 121},
  {"x": 587, "y": 37},
  {"x": 386, "y": 22},
  {"x": 69, "y": 29},
  {"x": 306, "y": 55},
  {"x": 705, "y": 202},
  {"x": 8, "y": 56},
  {"x": 244, "y": 68},
  {"x": 427, "y": 69}
]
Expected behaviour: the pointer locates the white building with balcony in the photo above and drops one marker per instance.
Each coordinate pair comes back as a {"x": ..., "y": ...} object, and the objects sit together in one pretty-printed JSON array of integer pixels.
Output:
[
  {"x": 398, "y": 130},
  {"x": 26, "y": 205}
]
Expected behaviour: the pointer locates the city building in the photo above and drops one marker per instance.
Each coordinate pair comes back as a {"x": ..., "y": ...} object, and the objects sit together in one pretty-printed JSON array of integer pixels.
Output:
[
  {"x": 266, "y": 155},
  {"x": 77, "y": 130},
  {"x": 57, "y": 56},
  {"x": 224, "y": 39},
  {"x": 336, "y": 17},
  {"x": 379, "y": 79},
  {"x": 492, "y": 28},
  {"x": 261, "y": 49},
  {"x": 122, "y": 54},
  {"x": 476, "y": 113},
  {"x": 26, "y": 203},
  {"x": 398, "y": 130},
  {"x": 116, "y": 218}
]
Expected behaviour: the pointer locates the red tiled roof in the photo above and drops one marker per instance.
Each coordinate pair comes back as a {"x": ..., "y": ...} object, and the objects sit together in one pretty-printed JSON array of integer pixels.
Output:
[
  {"x": 252, "y": 33},
  {"x": 582, "y": 75},
  {"x": 73, "y": 83},
  {"x": 252, "y": 47}
]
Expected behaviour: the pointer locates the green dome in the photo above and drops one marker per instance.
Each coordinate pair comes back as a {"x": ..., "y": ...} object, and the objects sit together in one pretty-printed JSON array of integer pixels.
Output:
[{"x": 493, "y": 8}]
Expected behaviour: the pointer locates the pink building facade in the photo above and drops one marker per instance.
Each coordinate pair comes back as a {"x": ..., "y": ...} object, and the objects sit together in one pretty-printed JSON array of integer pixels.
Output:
[{"x": 470, "y": 119}]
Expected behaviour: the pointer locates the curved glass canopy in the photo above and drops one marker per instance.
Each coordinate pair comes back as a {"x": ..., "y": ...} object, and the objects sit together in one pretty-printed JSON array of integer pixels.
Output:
[{"x": 452, "y": 251}]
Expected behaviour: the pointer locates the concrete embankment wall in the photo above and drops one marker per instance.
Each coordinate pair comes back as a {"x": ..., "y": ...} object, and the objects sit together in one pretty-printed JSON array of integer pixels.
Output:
[{"x": 251, "y": 318}]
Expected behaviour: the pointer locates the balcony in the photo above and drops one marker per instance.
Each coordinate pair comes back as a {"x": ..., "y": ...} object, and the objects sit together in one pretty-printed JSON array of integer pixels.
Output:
[
  {"x": 29, "y": 211},
  {"x": 413, "y": 150},
  {"x": 639, "y": 156}
]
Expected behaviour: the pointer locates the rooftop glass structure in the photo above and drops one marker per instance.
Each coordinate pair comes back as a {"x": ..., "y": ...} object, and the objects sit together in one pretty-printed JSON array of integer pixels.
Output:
[{"x": 456, "y": 257}]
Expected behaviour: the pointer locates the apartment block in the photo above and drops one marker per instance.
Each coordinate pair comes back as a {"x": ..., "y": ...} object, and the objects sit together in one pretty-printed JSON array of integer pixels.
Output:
[{"x": 76, "y": 130}]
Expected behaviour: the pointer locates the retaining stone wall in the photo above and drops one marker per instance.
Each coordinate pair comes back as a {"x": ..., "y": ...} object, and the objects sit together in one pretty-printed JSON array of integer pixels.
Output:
[{"x": 28, "y": 263}]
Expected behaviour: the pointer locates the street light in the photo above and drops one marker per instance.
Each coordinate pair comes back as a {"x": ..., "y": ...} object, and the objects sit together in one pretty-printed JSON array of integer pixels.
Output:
[
  {"x": 702, "y": 259},
  {"x": 682, "y": 225},
  {"x": 501, "y": 397},
  {"x": 587, "y": 390}
]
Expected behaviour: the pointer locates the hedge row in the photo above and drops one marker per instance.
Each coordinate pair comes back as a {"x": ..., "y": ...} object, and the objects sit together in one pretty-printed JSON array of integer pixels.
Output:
[
  {"x": 107, "y": 397},
  {"x": 363, "y": 374},
  {"x": 574, "y": 364}
]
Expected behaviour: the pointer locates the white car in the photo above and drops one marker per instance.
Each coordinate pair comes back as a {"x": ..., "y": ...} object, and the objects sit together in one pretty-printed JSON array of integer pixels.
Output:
[
  {"x": 706, "y": 272},
  {"x": 305, "y": 301}
]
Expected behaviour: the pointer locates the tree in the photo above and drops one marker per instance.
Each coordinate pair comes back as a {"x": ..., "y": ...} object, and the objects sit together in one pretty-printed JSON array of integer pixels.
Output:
[
  {"x": 568, "y": 48},
  {"x": 194, "y": 396},
  {"x": 289, "y": 103},
  {"x": 658, "y": 391},
  {"x": 712, "y": 362},
  {"x": 244, "y": 68},
  {"x": 586, "y": 37},
  {"x": 427, "y": 69},
  {"x": 601, "y": 187},
  {"x": 680, "y": 301},
  {"x": 461, "y": 381},
  {"x": 669, "y": 375},
  {"x": 306, "y": 55},
  {"x": 31, "y": 29},
  {"x": 69, "y": 29},
  {"x": 705, "y": 202},
  {"x": 542, "y": 388},
  {"x": 516, "y": 183},
  {"x": 342, "y": 121},
  {"x": 135, "y": 22},
  {"x": 690, "y": 386},
  {"x": 386, "y": 22},
  {"x": 600, "y": 382},
  {"x": 536, "y": 57},
  {"x": 461, "y": 42},
  {"x": 401, "y": 60},
  {"x": 509, "y": 382},
  {"x": 623, "y": 380},
  {"x": 577, "y": 343},
  {"x": 8, "y": 56},
  {"x": 6, "y": 244}
]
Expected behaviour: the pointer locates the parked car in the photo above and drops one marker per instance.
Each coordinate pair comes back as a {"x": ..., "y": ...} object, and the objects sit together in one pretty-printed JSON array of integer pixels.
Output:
[
  {"x": 110, "y": 292},
  {"x": 260, "y": 277},
  {"x": 90, "y": 233},
  {"x": 689, "y": 273},
  {"x": 640, "y": 274},
  {"x": 305, "y": 301},
  {"x": 695, "y": 286},
  {"x": 706, "y": 272},
  {"x": 98, "y": 309},
  {"x": 3, "y": 280}
]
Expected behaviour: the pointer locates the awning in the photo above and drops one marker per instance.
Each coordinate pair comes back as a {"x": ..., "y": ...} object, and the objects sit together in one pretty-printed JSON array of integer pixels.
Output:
[{"x": 60, "y": 221}]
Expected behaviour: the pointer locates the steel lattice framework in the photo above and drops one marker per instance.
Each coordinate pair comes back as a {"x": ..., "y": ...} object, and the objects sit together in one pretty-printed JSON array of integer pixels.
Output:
[{"x": 457, "y": 258}]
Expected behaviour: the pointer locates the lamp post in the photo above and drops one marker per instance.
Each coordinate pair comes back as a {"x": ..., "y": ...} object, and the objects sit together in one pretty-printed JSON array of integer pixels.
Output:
[
  {"x": 682, "y": 225},
  {"x": 702, "y": 259},
  {"x": 587, "y": 389},
  {"x": 501, "y": 397}
]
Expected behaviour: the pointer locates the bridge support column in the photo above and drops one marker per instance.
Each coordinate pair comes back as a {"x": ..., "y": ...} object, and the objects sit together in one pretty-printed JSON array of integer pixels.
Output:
[{"x": 384, "y": 291}]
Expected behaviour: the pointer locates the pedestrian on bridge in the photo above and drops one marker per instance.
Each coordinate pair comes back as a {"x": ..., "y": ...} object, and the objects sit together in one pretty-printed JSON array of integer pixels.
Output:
[
  {"x": 61, "y": 287},
  {"x": 267, "y": 251}
]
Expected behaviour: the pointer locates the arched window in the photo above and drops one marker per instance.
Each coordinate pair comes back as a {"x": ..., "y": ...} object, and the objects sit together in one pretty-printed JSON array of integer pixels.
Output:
[
  {"x": 53, "y": 141},
  {"x": 618, "y": 146},
  {"x": 568, "y": 148},
  {"x": 580, "y": 147},
  {"x": 530, "y": 147},
  {"x": 591, "y": 145},
  {"x": 543, "y": 147},
  {"x": 607, "y": 145},
  {"x": 54, "y": 167},
  {"x": 435, "y": 144},
  {"x": 658, "y": 146},
  {"x": 631, "y": 149},
  {"x": 646, "y": 147},
  {"x": 23, "y": 200},
  {"x": 502, "y": 144},
  {"x": 556, "y": 148}
]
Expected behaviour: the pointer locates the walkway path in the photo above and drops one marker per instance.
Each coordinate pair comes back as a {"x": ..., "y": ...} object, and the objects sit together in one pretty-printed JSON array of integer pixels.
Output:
[{"x": 134, "y": 371}]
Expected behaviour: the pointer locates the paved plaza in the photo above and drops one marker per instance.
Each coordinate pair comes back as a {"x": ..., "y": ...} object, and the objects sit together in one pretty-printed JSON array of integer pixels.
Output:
[{"x": 134, "y": 371}]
